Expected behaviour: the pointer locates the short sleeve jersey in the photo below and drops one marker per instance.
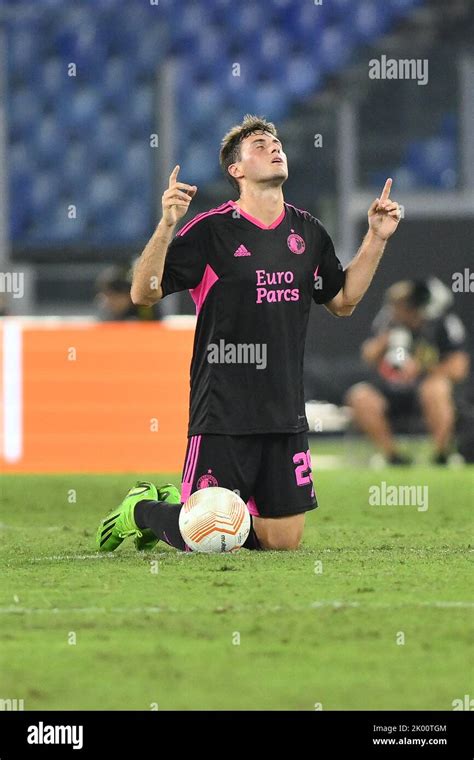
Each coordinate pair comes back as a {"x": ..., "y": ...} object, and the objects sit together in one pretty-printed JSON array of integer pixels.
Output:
[{"x": 253, "y": 286}]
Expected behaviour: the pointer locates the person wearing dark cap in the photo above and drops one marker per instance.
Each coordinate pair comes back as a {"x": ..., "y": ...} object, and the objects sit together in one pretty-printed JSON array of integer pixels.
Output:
[
  {"x": 113, "y": 297},
  {"x": 416, "y": 359}
]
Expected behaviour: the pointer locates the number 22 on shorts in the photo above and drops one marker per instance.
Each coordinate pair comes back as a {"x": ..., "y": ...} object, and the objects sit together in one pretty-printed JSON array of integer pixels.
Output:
[{"x": 303, "y": 475}]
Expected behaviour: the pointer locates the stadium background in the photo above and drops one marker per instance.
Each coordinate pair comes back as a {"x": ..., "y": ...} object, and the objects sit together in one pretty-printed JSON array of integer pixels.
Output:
[
  {"x": 320, "y": 627},
  {"x": 101, "y": 99}
]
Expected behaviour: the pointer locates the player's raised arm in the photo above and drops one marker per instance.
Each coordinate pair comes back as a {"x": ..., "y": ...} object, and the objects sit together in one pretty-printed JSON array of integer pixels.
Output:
[
  {"x": 384, "y": 217},
  {"x": 146, "y": 286}
]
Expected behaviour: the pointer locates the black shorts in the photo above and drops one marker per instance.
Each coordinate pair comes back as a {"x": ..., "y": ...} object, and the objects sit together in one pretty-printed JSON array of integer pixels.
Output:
[
  {"x": 270, "y": 472},
  {"x": 399, "y": 400}
]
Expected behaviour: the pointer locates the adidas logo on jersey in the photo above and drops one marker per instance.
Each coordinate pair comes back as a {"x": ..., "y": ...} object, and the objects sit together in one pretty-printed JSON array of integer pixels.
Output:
[{"x": 242, "y": 251}]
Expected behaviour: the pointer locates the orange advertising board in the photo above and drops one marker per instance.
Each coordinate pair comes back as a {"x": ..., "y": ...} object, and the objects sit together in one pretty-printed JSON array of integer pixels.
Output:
[{"x": 87, "y": 397}]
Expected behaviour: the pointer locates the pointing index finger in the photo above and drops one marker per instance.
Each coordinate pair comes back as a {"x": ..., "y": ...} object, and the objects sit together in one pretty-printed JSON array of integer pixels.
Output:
[
  {"x": 173, "y": 175},
  {"x": 386, "y": 190}
]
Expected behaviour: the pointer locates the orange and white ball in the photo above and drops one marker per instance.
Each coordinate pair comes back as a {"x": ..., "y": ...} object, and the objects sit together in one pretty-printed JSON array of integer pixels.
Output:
[{"x": 214, "y": 520}]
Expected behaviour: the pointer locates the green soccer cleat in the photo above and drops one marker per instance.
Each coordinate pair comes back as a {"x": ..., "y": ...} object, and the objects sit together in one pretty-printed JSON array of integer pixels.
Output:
[
  {"x": 147, "y": 540},
  {"x": 120, "y": 523}
]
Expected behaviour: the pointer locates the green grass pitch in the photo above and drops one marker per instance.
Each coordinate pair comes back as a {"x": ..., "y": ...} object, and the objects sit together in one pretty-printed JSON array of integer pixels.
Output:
[{"x": 322, "y": 626}]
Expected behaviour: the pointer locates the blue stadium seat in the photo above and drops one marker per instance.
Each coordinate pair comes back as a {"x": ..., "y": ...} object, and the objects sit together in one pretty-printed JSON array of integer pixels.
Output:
[
  {"x": 340, "y": 10},
  {"x": 103, "y": 191},
  {"x": 403, "y": 7},
  {"x": 86, "y": 48},
  {"x": 137, "y": 166},
  {"x": 369, "y": 20},
  {"x": 50, "y": 220},
  {"x": 24, "y": 113},
  {"x": 268, "y": 99},
  {"x": 20, "y": 161},
  {"x": 151, "y": 51},
  {"x": 135, "y": 220},
  {"x": 268, "y": 60},
  {"x": 49, "y": 141},
  {"x": 239, "y": 83},
  {"x": 140, "y": 111},
  {"x": 303, "y": 76},
  {"x": 184, "y": 77},
  {"x": 108, "y": 140},
  {"x": 44, "y": 192},
  {"x": 309, "y": 22},
  {"x": 55, "y": 84},
  {"x": 248, "y": 19},
  {"x": 117, "y": 81},
  {"x": 199, "y": 162},
  {"x": 335, "y": 49},
  {"x": 60, "y": 227},
  {"x": 209, "y": 52},
  {"x": 449, "y": 125},
  {"x": 78, "y": 113},
  {"x": 20, "y": 212},
  {"x": 25, "y": 49},
  {"x": 87, "y": 136},
  {"x": 77, "y": 167},
  {"x": 203, "y": 102},
  {"x": 191, "y": 18},
  {"x": 434, "y": 161}
]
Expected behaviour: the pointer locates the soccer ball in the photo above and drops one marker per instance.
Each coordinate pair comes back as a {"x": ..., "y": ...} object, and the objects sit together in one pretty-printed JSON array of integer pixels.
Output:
[{"x": 214, "y": 520}]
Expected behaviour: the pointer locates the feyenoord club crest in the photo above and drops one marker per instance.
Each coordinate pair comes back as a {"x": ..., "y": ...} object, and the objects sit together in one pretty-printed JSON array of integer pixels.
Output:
[
  {"x": 296, "y": 243},
  {"x": 207, "y": 481}
]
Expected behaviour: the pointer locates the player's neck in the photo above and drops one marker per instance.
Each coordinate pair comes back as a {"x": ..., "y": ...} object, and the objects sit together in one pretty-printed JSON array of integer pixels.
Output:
[{"x": 266, "y": 205}]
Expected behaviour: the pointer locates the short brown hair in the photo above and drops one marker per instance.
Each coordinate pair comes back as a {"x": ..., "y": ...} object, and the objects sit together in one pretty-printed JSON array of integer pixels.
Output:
[{"x": 230, "y": 145}]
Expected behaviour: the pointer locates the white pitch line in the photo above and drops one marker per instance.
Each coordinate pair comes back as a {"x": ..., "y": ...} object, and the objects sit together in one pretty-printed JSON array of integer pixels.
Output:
[
  {"x": 334, "y": 604},
  {"x": 443, "y": 604},
  {"x": 34, "y": 528},
  {"x": 98, "y": 555},
  {"x": 16, "y": 609},
  {"x": 69, "y": 557}
]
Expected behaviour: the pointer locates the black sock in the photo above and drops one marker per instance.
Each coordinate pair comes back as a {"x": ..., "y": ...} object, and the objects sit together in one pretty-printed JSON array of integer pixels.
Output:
[
  {"x": 162, "y": 519},
  {"x": 252, "y": 542}
]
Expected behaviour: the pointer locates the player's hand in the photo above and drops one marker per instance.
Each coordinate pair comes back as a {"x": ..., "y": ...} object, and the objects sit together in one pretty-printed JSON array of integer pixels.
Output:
[
  {"x": 176, "y": 198},
  {"x": 384, "y": 214}
]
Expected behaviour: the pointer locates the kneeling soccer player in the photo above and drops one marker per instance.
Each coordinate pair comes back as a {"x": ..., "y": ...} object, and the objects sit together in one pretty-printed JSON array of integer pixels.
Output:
[{"x": 253, "y": 267}]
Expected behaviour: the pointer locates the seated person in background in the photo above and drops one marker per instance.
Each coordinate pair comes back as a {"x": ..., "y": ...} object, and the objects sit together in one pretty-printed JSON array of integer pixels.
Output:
[
  {"x": 113, "y": 297},
  {"x": 416, "y": 359}
]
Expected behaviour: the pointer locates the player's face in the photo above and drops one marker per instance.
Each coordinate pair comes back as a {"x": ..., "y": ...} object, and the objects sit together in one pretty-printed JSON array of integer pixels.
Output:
[{"x": 262, "y": 159}]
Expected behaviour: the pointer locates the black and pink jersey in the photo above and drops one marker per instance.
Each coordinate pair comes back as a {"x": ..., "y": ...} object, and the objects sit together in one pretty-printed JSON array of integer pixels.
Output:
[{"x": 252, "y": 286}]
